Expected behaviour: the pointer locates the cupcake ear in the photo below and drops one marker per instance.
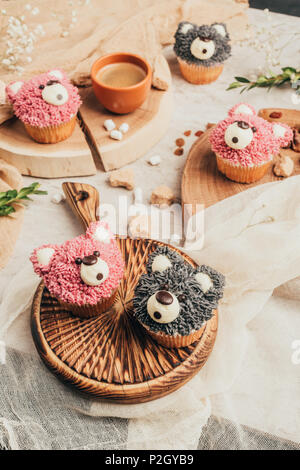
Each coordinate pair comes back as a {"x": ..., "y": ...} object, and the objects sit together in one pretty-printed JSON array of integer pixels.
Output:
[
  {"x": 221, "y": 29},
  {"x": 160, "y": 264},
  {"x": 100, "y": 232},
  {"x": 242, "y": 108},
  {"x": 205, "y": 281},
  {"x": 283, "y": 134},
  {"x": 12, "y": 89},
  {"x": 184, "y": 27},
  {"x": 41, "y": 258},
  {"x": 57, "y": 74}
]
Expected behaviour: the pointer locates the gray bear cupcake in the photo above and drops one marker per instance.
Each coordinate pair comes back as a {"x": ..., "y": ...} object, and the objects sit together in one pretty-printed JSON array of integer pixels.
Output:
[
  {"x": 201, "y": 51},
  {"x": 173, "y": 300}
]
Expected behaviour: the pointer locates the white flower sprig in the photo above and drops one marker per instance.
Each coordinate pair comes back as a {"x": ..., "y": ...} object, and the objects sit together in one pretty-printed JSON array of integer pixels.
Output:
[
  {"x": 268, "y": 39},
  {"x": 20, "y": 41}
]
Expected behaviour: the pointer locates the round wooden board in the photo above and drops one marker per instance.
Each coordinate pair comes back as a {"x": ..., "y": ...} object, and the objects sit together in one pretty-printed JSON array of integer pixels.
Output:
[
  {"x": 75, "y": 155},
  {"x": 112, "y": 356},
  {"x": 202, "y": 183}
]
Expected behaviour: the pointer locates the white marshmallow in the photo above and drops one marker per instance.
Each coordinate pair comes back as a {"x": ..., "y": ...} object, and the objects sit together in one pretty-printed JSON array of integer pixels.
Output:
[
  {"x": 124, "y": 127},
  {"x": 117, "y": 135},
  {"x": 57, "y": 198},
  {"x": 56, "y": 74},
  {"x": 155, "y": 160},
  {"x": 89, "y": 273},
  {"x": 109, "y": 125}
]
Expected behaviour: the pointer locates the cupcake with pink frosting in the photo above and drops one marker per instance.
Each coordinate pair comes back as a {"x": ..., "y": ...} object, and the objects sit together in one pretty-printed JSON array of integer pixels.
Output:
[
  {"x": 245, "y": 144},
  {"x": 83, "y": 273},
  {"x": 47, "y": 105}
]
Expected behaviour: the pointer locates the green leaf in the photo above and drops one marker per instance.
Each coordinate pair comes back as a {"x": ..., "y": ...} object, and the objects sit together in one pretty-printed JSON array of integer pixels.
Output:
[
  {"x": 242, "y": 79},
  {"x": 40, "y": 192},
  {"x": 234, "y": 85},
  {"x": 6, "y": 210},
  {"x": 289, "y": 70}
]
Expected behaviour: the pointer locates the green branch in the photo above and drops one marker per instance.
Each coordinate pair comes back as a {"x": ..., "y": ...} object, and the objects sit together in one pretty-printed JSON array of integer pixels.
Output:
[
  {"x": 12, "y": 196},
  {"x": 288, "y": 75}
]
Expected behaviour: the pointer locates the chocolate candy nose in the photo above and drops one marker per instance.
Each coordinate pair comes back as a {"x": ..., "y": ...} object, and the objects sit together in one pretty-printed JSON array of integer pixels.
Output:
[
  {"x": 164, "y": 297},
  {"x": 90, "y": 260},
  {"x": 99, "y": 276}
]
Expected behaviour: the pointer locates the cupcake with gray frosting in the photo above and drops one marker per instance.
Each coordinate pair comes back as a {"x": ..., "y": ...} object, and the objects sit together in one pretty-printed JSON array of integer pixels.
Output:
[
  {"x": 201, "y": 51},
  {"x": 173, "y": 301}
]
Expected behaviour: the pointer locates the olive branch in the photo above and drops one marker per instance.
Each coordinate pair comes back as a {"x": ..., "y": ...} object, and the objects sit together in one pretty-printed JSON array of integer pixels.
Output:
[
  {"x": 11, "y": 197},
  {"x": 288, "y": 75}
]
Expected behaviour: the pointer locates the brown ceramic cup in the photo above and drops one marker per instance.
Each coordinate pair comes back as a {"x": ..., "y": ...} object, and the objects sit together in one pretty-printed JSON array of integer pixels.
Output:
[{"x": 121, "y": 100}]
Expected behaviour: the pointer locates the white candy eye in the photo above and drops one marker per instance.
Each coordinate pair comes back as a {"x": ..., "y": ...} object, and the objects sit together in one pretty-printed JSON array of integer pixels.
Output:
[
  {"x": 238, "y": 135},
  {"x": 93, "y": 270},
  {"x": 55, "y": 94},
  {"x": 163, "y": 307},
  {"x": 203, "y": 49},
  {"x": 161, "y": 263}
]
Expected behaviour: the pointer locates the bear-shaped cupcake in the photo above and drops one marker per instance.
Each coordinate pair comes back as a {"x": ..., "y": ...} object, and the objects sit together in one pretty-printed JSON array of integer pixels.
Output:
[
  {"x": 47, "y": 105},
  {"x": 245, "y": 144},
  {"x": 173, "y": 301},
  {"x": 83, "y": 273},
  {"x": 201, "y": 51}
]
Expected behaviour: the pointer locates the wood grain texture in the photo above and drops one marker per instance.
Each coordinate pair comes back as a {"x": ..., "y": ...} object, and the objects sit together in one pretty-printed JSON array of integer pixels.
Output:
[
  {"x": 10, "y": 226},
  {"x": 83, "y": 200},
  {"x": 112, "y": 356},
  {"x": 71, "y": 157},
  {"x": 291, "y": 117},
  {"x": 147, "y": 125},
  {"x": 202, "y": 183}
]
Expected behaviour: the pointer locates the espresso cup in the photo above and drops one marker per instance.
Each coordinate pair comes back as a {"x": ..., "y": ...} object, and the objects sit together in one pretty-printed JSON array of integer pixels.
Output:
[{"x": 121, "y": 100}]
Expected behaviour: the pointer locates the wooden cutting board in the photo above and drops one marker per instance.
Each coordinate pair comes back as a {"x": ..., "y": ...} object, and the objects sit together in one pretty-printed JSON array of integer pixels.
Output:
[
  {"x": 147, "y": 125},
  {"x": 202, "y": 183},
  {"x": 112, "y": 356},
  {"x": 74, "y": 156}
]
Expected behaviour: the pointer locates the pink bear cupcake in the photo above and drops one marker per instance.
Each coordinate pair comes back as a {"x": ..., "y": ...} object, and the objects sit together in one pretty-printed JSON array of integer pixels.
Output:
[
  {"x": 246, "y": 144},
  {"x": 47, "y": 105},
  {"x": 83, "y": 273}
]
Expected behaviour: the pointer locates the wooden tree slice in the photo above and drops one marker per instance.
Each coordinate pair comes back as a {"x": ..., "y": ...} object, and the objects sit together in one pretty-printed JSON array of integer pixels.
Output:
[
  {"x": 202, "y": 183},
  {"x": 72, "y": 157},
  {"x": 112, "y": 356},
  {"x": 147, "y": 125}
]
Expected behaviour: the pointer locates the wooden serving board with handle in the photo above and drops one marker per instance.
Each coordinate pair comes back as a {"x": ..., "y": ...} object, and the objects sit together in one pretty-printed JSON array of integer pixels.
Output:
[
  {"x": 112, "y": 356},
  {"x": 203, "y": 184}
]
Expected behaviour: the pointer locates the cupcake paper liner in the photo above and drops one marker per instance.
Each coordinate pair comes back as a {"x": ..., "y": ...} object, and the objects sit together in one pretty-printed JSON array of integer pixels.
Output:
[
  {"x": 177, "y": 341},
  {"x": 88, "y": 311},
  {"x": 199, "y": 75},
  {"x": 241, "y": 174},
  {"x": 51, "y": 134}
]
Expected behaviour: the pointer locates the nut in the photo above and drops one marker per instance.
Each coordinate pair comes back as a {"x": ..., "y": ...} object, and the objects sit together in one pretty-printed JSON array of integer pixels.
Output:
[
  {"x": 162, "y": 195},
  {"x": 122, "y": 178},
  {"x": 284, "y": 166}
]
